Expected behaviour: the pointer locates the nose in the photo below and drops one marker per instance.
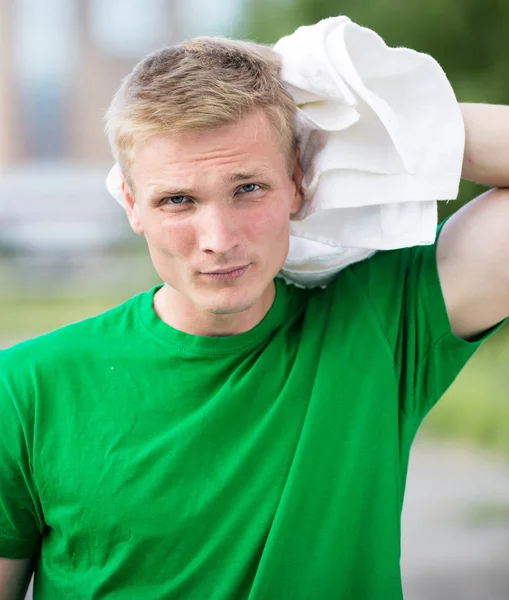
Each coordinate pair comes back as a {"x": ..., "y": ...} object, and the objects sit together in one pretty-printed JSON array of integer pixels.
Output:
[{"x": 218, "y": 229}]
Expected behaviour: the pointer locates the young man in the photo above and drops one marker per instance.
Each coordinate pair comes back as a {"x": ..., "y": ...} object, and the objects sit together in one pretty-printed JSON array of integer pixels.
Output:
[{"x": 226, "y": 435}]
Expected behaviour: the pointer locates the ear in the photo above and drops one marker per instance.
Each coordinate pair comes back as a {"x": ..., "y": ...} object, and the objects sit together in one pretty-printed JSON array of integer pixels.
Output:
[
  {"x": 132, "y": 208},
  {"x": 297, "y": 177}
]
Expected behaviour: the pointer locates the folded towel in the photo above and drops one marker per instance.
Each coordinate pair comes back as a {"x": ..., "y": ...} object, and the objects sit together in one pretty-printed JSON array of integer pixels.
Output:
[{"x": 381, "y": 137}]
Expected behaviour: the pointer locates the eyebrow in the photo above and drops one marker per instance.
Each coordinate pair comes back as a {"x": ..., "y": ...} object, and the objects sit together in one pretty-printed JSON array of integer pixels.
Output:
[{"x": 232, "y": 178}]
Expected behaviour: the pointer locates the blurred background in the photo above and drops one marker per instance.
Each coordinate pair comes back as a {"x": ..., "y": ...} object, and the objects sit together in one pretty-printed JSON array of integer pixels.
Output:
[{"x": 66, "y": 251}]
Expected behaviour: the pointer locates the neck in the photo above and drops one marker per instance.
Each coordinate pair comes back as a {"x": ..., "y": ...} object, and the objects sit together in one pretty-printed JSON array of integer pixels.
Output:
[{"x": 180, "y": 313}]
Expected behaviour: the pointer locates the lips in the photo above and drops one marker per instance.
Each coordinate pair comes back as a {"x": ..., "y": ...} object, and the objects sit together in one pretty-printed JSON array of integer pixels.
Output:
[
  {"x": 227, "y": 274},
  {"x": 226, "y": 270}
]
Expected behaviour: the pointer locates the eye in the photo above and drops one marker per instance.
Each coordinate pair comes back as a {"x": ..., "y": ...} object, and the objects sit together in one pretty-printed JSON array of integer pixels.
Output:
[
  {"x": 174, "y": 200},
  {"x": 252, "y": 187}
]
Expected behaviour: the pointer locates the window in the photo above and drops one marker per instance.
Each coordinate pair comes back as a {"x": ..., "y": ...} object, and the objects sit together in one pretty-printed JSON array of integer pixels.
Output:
[
  {"x": 129, "y": 29},
  {"x": 43, "y": 53},
  {"x": 203, "y": 17}
]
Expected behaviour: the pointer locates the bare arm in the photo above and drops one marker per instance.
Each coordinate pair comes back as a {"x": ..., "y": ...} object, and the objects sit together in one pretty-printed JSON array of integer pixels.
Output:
[
  {"x": 14, "y": 578},
  {"x": 486, "y": 159},
  {"x": 473, "y": 248}
]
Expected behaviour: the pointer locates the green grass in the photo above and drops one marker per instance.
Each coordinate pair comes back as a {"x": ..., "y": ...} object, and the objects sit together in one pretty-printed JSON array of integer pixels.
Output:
[
  {"x": 493, "y": 513},
  {"x": 22, "y": 318}
]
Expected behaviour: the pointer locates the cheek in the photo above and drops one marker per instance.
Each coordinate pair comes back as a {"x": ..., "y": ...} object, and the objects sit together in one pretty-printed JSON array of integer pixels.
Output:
[
  {"x": 170, "y": 239},
  {"x": 271, "y": 224}
]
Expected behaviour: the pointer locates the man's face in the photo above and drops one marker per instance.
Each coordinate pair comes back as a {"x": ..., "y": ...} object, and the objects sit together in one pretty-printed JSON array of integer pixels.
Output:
[{"x": 220, "y": 200}]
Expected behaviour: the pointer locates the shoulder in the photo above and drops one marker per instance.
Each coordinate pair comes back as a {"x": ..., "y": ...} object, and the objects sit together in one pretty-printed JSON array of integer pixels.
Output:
[
  {"x": 384, "y": 261},
  {"x": 396, "y": 266},
  {"x": 392, "y": 272},
  {"x": 67, "y": 343},
  {"x": 379, "y": 274}
]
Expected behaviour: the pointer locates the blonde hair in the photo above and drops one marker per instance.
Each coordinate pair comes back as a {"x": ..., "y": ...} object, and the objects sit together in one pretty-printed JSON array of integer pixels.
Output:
[{"x": 197, "y": 85}]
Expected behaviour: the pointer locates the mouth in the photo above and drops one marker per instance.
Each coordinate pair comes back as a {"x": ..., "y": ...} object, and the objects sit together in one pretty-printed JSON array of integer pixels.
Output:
[{"x": 227, "y": 273}]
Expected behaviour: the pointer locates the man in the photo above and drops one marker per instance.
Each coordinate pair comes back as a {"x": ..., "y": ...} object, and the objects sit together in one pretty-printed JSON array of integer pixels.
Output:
[{"x": 226, "y": 435}]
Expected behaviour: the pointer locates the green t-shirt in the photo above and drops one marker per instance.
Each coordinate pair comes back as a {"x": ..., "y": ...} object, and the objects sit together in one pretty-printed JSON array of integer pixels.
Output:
[{"x": 141, "y": 462}]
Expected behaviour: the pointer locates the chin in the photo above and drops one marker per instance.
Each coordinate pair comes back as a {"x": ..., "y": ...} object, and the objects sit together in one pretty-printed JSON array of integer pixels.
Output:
[
  {"x": 228, "y": 306},
  {"x": 227, "y": 310},
  {"x": 231, "y": 300}
]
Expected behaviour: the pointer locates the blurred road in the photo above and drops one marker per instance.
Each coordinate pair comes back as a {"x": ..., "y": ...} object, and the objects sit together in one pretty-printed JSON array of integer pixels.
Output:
[{"x": 455, "y": 530}]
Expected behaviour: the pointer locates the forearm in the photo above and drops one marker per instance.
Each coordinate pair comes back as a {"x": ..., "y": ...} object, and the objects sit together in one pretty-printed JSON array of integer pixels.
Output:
[
  {"x": 15, "y": 576},
  {"x": 486, "y": 159}
]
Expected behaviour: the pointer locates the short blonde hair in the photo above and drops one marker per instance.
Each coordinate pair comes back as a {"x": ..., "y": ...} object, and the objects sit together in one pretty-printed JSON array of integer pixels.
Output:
[{"x": 197, "y": 85}]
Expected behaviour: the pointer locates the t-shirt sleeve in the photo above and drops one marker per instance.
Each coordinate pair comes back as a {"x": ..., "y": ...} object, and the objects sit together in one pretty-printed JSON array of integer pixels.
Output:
[
  {"x": 21, "y": 521},
  {"x": 403, "y": 289}
]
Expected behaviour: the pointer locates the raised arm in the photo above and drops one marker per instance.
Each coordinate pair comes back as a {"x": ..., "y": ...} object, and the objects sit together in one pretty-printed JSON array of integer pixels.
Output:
[
  {"x": 473, "y": 248},
  {"x": 15, "y": 576},
  {"x": 486, "y": 159}
]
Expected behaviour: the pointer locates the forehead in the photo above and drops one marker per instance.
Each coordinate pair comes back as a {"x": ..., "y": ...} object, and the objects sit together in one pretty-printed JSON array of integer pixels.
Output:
[{"x": 249, "y": 145}]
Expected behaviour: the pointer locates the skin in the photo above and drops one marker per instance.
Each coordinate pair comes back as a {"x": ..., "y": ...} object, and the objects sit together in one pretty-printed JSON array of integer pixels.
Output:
[
  {"x": 473, "y": 248},
  {"x": 196, "y": 219},
  {"x": 15, "y": 576}
]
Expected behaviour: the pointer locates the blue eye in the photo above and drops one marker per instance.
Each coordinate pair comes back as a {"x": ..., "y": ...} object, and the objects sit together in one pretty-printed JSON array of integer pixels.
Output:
[
  {"x": 251, "y": 186},
  {"x": 176, "y": 199}
]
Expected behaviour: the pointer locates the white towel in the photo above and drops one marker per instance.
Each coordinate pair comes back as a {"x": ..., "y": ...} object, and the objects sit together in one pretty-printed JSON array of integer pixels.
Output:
[{"x": 381, "y": 137}]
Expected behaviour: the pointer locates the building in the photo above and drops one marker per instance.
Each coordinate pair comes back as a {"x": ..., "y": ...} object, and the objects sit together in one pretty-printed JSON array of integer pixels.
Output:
[
  {"x": 61, "y": 61},
  {"x": 9, "y": 148}
]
